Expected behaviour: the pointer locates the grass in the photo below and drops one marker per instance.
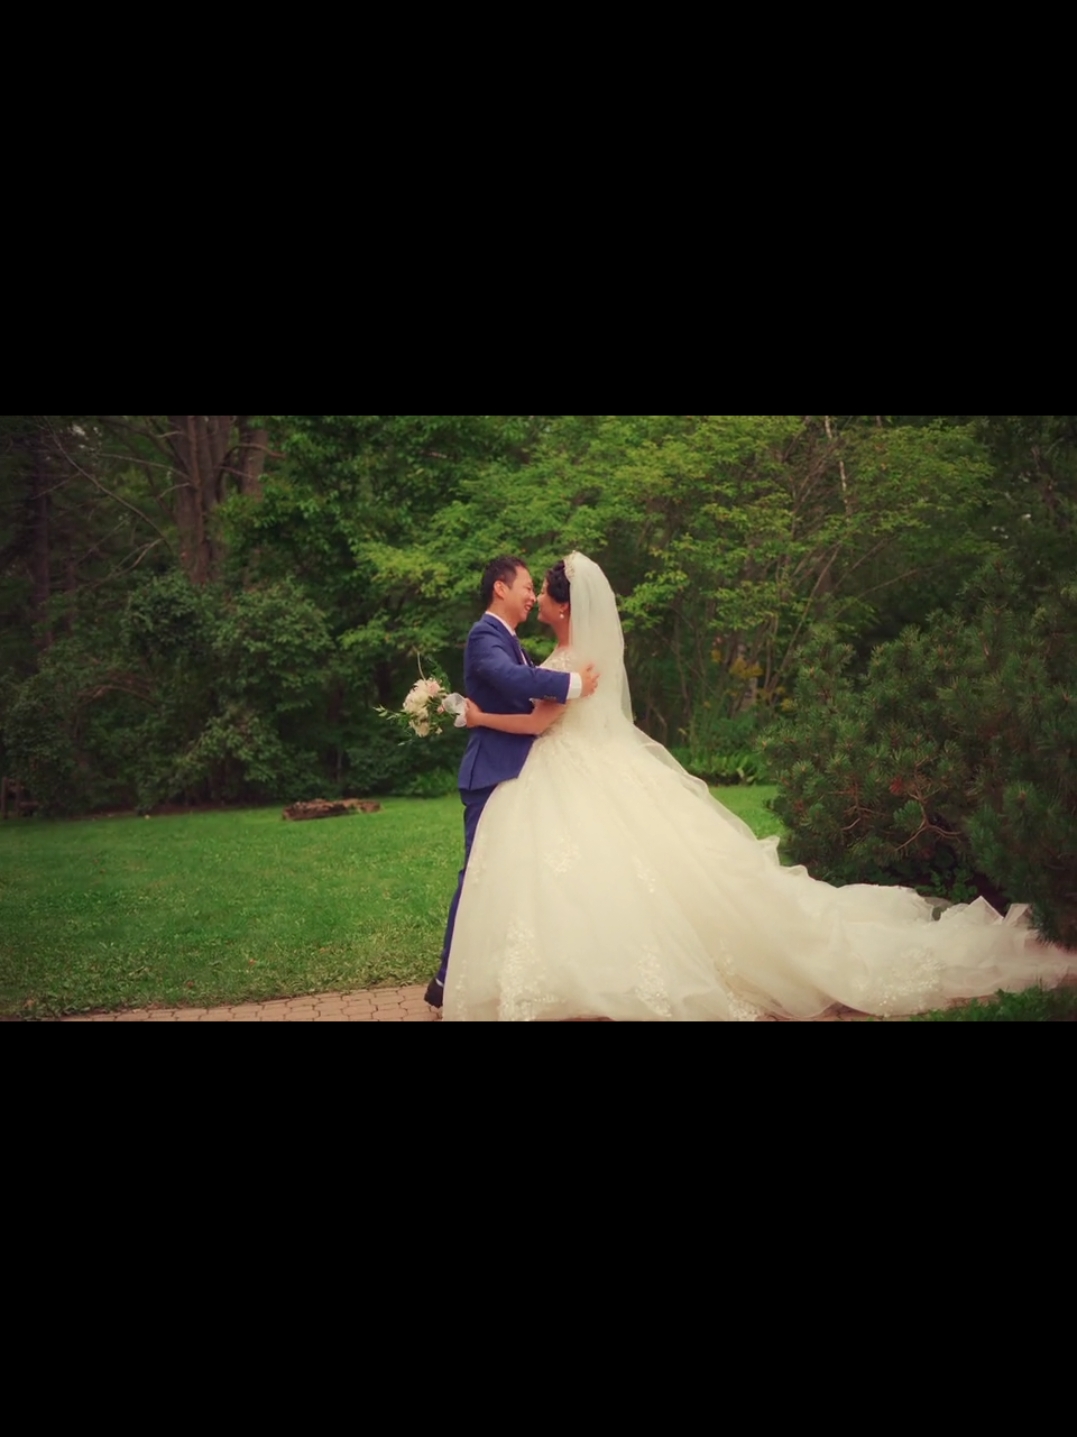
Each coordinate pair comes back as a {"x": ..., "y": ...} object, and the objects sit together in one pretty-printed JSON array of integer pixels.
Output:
[
  {"x": 1035, "y": 1005},
  {"x": 750, "y": 804},
  {"x": 221, "y": 907}
]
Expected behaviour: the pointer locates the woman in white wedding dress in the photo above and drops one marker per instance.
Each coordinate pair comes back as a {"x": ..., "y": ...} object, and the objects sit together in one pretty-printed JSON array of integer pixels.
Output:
[{"x": 606, "y": 882}]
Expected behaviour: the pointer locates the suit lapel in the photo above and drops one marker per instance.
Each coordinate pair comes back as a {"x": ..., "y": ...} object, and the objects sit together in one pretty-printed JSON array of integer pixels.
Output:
[{"x": 517, "y": 647}]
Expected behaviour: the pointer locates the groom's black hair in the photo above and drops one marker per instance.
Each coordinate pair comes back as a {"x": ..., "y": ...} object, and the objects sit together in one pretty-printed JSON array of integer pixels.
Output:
[{"x": 499, "y": 571}]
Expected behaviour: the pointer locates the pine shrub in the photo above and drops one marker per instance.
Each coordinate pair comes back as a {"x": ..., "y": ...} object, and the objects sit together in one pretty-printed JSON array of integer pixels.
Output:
[{"x": 950, "y": 765}]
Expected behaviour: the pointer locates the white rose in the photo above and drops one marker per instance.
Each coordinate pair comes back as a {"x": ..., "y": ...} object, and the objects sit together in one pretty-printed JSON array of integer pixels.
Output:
[{"x": 417, "y": 700}]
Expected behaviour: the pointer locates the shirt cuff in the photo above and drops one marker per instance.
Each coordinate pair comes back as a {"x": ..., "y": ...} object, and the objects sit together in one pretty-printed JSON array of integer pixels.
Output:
[{"x": 575, "y": 687}]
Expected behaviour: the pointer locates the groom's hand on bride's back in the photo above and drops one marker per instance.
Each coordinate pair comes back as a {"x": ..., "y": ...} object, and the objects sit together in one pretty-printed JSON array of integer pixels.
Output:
[{"x": 589, "y": 675}]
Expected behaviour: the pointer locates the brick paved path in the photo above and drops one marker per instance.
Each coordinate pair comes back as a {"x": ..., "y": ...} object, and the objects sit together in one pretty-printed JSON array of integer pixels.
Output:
[{"x": 376, "y": 1005}]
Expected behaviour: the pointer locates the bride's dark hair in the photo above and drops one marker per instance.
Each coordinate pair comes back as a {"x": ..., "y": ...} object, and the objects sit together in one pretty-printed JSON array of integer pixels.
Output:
[{"x": 557, "y": 583}]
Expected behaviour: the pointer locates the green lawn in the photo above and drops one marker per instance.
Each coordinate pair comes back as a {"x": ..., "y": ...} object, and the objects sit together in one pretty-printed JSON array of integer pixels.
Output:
[
  {"x": 751, "y": 805},
  {"x": 221, "y": 907},
  {"x": 228, "y": 907},
  {"x": 1032, "y": 1006}
]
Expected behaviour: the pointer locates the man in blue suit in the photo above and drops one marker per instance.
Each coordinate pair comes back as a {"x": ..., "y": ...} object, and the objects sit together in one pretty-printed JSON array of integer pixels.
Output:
[{"x": 501, "y": 680}]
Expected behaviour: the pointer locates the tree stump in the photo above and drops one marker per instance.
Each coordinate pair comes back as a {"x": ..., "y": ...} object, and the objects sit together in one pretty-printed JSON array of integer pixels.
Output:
[{"x": 330, "y": 808}]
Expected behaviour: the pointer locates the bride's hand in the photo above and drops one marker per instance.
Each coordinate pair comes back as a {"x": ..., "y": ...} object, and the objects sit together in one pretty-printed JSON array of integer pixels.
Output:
[
  {"x": 473, "y": 715},
  {"x": 547, "y": 713}
]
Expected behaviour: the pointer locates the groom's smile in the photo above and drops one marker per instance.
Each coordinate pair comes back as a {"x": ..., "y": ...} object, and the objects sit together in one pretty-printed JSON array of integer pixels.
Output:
[{"x": 517, "y": 597}]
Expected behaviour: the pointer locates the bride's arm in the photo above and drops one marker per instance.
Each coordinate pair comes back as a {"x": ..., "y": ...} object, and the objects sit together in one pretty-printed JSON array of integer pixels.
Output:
[{"x": 538, "y": 721}]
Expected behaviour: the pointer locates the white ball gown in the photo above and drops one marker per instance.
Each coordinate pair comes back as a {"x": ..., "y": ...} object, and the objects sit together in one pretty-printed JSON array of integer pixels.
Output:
[{"x": 607, "y": 882}]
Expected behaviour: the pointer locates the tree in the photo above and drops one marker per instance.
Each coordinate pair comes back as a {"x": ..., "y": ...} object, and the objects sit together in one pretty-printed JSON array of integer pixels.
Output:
[
  {"x": 727, "y": 537},
  {"x": 192, "y": 464}
]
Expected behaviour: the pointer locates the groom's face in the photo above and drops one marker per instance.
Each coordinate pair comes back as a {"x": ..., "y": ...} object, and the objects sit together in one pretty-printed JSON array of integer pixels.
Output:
[{"x": 518, "y": 597}]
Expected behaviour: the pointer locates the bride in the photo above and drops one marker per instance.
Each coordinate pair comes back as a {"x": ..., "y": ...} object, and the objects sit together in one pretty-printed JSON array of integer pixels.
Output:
[{"x": 606, "y": 882}]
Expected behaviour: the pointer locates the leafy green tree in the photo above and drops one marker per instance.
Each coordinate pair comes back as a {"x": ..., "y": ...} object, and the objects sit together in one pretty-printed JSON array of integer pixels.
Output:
[{"x": 727, "y": 537}]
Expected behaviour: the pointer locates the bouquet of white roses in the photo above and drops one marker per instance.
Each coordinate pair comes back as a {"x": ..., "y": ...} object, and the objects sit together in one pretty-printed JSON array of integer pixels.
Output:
[{"x": 428, "y": 706}]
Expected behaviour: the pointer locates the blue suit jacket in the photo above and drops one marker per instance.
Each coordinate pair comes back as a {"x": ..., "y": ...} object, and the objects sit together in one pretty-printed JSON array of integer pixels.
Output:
[{"x": 499, "y": 683}]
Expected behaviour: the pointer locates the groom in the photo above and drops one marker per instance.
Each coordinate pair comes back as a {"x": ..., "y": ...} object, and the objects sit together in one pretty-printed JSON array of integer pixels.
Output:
[{"x": 501, "y": 680}]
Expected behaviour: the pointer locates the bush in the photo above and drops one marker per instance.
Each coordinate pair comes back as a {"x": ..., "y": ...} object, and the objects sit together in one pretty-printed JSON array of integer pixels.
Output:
[
  {"x": 1023, "y": 828},
  {"x": 739, "y": 766},
  {"x": 947, "y": 767},
  {"x": 239, "y": 755},
  {"x": 39, "y": 747},
  {"x": 379, "y": 762},
  {"x": 67, "y": 732},
  {"x": 190, "y": 694},
  {"x": 873, "y": 783},
  {"x": 438, "y": 783},
  {"x": 723, "y": 750}
]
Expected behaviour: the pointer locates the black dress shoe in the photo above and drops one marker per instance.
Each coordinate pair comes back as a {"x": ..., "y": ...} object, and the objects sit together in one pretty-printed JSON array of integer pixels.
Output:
[{"x": 435, "y": 993}]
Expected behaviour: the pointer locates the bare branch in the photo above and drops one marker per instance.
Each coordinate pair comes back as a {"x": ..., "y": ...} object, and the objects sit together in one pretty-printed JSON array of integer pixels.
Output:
[
  {"x": 158, "y": 440},
  {"x": 841, "y": 465},
  {"x": 117, "y": 498},
  {"x": 131, "y": 687},
  {"x": 908, "y": 574},
  {"x": 123, "y": 567}
]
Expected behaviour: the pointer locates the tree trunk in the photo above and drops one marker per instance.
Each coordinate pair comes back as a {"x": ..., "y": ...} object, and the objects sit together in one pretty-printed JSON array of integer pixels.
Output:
[
  {"x": 206, "y": 457},
  {"x": 41, "y": 568},
  {"x": 71, "y": 584},
  {"x": 251, "y": 457}
]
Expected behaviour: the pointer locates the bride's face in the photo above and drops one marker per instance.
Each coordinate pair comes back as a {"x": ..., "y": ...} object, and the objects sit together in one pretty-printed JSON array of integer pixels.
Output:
[{"x": 548, "y": 608}]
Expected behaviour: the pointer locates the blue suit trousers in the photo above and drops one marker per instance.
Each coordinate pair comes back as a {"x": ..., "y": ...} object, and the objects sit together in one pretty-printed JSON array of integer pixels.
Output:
[{"x": 474, "y": 800}]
